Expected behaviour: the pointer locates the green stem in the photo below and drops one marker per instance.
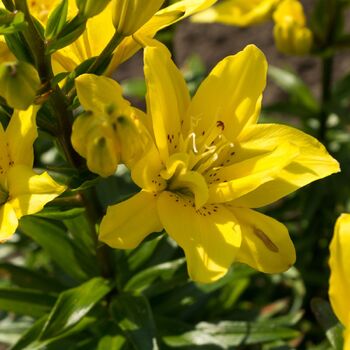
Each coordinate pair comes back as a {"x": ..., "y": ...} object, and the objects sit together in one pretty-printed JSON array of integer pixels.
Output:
[
  {"x": 64, "y": 115},
  {"x": 327, "y": 74},
  {"x": 107, "y": 53}
]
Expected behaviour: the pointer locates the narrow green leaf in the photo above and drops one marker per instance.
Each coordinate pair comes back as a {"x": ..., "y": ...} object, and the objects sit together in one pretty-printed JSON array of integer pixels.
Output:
[
  {"x": 134, "y": 316},
  {"x": 294, "y": 86},
  {"x": 57, "y": 20},
  {"x": 226, "y": 334},
  {"x": 111, "y": 343},
  {"x": 153, "y": 280},
  {"x": 73, "y": 305},
  {"x": 53, "y": 239},
  {"x": 25, "y": 302},
  {"x": 26, "y": 278}
]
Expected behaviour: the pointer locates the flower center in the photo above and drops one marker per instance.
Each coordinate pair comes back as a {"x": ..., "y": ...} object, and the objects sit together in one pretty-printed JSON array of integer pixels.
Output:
[{"x": 3, "y": 196}]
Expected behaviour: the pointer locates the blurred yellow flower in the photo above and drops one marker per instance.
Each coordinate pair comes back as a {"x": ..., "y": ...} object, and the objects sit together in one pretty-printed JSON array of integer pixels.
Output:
[
  {"x": 109, "y": 131},
  {"x": 22, "y": 191},
  {"x": 340, "y": 274},
  {"x": 211, "y": 162},
  {"x": 240, "y": 13},
  {"x": 93, "y": 41},
  {"x": 291, "y": 34}
]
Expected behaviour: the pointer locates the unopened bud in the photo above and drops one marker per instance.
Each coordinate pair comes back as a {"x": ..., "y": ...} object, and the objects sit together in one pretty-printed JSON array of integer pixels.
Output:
[
  {"x": 130, "y": 15},
  {"x": 19, "y": 83},
  {"x": 95, "y": 140},
  {"x": 133, "y": 137},
  {"x": 91, "y": 8}
]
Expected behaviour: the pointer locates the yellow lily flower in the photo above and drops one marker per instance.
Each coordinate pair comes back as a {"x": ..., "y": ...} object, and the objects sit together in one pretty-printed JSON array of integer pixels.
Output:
[
  {"x": 92, "y": 42},
  {"x": 291, "y": 34},
  {"x": 110, "y": 131},
  {"x": 339, "y": 283},
  {"x": 240, "y": 13},
  {"x": 211, "y": 162},
  {"x": 22, "y": 191}
]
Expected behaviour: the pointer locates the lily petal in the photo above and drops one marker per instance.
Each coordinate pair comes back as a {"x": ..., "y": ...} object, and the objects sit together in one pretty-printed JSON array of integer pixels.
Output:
[
  {"x": 312, "y": 163},
  {"x": 231, "y": 94},
  {"x": 162, "y": 19},
  {"x": 266, "y": 245},
  {"x": 22, "y": 126},
  {"x": 238, "y": 179},
  {"x": 340, "y": 269},
  {"x": 99, "y": 94},
  {"x": 126, "y": 224},
  {"x": 209, "y": 236},
  {"x": 8, "y": 221},
  {"x": 241, "y": 13},
  {"x": 4, "y": 156},
  {"x": 167, "y": 98},
  {"x": 29, "y": 192}
]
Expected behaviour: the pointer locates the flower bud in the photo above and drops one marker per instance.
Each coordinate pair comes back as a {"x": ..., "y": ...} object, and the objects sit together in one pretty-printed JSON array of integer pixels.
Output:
[
  {"x": 93, "y": 137},
  {"x": 130, "y": 15},
  {"x": 133, "y": 137},
  {"x": 19, "y": 82},
  {"x": 91, "y": 8},
  {"x": 292, "y": 37}
]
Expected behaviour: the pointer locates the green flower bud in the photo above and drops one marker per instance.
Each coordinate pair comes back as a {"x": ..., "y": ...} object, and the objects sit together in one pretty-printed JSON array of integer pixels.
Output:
[
  {"x": 130, "y": 15},
  {"x": 91, "y": 8},
  {"x": 19, "y": 83}
]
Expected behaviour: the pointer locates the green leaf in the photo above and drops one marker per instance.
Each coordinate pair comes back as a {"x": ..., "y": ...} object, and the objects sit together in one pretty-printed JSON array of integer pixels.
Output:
[
  {"x": 26, "y": 278},
  {"x": 11, "y": 330},
  {"x": 53, "y": 239},
  {"x": 134, "y": 316},
  {"x": 111, "y": 343},
  {"x": 25, "y": 301},
  {"x": 59, "y": 213},
  {"x": 326, "y": 318},
  {"x": 226, "y": 334},
  {"x": 56, "y": 20},
  {"x": 70, "y": 32},
  {"x": 294, "y": 86},
  {"x": 156, "y": 279},
  {"x": 11, "y": 22},
  {"x": 135, "y": 87},
  {"x": 73, "y": 305}
]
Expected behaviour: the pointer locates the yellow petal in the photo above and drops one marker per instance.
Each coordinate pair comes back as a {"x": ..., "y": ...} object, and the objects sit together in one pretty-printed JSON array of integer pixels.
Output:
[
  {"x": 126, "y": 224},
  {"x": 347, "y": 337},
  {"x": 266, "y": 245},
  {"x": 240, "y": 13},
  {"x": 339, "y": 283},
  {"x": 167, "y": 98},
  {"x": 146, "y": 171},
  {"x": 290, "y": 11},
  {"x": 22, "y": 127},
  {"x": 29, "y": 192},
  {"x": 209, "y": 236},
  {"x": 231, "y": 93},
  {"x": 162, "y": 19},
  {"x": 99, "y": 94},
  {"x": 4, "y": 156},
  {"x": 312, "y": 163},
  {"x": 238, "y": 179},
  {"x": 8, "y": 221},
  {"x": 90, "y": 44}
]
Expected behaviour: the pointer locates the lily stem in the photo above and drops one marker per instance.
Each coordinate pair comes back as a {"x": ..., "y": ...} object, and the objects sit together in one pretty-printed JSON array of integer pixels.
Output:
[
  {"x": 107, "y": 53},
  {"x": 60, "y": 106}
]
